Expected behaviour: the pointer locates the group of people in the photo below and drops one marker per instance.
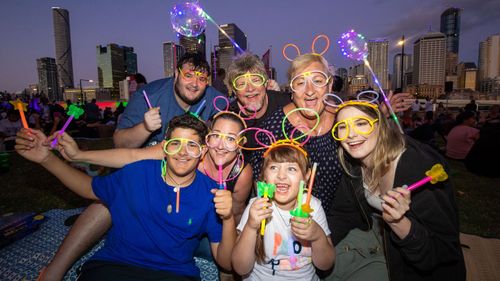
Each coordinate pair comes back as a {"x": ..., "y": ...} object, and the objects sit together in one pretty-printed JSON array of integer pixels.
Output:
[{"x": 185, "y": 181}]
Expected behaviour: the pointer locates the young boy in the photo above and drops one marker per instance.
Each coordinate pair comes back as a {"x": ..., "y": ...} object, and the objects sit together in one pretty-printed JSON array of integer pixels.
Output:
[{"x": 159, "y": 210}]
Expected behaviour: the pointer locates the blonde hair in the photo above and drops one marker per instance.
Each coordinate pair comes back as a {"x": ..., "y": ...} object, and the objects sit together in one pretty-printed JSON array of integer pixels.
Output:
[
  {"x": 281, "y": 154},
  {"x": 303, "y": 61},
  {"x": 390, "y": 143}
]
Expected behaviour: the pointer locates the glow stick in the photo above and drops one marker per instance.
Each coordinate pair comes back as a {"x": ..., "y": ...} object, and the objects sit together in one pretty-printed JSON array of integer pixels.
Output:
[
  {"x": 307, "y": 206},
  {"x": 198, "y": 110},
  {"x": 266, "y": 190},
  {"x": 21, "y": 106},
  {"x": 434, "y": 175},
  {"x": 147, "y": 99},
  {"x": 73, "y": 112},
  {"x": 221, "y": 181}
]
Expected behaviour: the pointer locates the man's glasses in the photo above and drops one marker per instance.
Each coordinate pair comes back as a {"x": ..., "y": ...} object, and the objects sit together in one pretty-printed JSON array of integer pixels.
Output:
[
  {"x": 230, "y": 142},
  {"x": 191, "y": 76},
  {"x": 360, "y": 124},
  {"x": 317, "y": 78},
  {"x": 174, "y": 146},
  {"x": 241, "y": 82}
]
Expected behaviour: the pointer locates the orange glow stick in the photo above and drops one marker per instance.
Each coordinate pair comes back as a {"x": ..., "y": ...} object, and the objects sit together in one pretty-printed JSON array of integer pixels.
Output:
[
  {"x": 307, "y": 206},
  {"x": 21, "y": 106}
]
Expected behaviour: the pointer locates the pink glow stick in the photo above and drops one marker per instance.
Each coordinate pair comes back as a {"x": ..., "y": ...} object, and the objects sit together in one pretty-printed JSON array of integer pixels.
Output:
[{"x": 147, "y": 99}]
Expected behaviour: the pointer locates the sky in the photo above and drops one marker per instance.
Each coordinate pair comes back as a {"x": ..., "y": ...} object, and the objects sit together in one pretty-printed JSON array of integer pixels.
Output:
[{"x": 27, "y": 32}]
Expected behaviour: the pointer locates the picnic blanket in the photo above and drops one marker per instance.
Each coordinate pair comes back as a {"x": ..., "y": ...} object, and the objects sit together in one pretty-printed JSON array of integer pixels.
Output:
[{"x": 23, "y": 259}]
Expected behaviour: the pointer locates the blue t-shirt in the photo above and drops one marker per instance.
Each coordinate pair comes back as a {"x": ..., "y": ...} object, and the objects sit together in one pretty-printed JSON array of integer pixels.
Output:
[
  {"x": 161, "y": 93},
  {"x": 144, "y": 233}
]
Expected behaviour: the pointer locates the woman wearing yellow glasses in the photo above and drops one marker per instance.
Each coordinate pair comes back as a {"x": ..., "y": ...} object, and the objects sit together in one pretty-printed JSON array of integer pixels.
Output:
[{"x": 381, "y": 231}]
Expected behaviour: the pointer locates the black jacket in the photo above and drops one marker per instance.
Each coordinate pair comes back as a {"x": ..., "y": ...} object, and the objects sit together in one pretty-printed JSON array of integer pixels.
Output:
[{"x": 431, "y": 251}]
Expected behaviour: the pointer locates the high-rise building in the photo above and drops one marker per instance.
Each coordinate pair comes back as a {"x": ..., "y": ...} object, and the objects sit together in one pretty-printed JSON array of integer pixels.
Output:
[
  {"x": 62, "y": 37},
  {"x": 171, "y": 54},
  {"x": 467, "y": 72},
  {"x": 429, "y": 57},
  {"x": 378, "y": 58},
  {"x": 489, "y": 64},
  {"x": 194, "y": 44},
  {"x": 396, "y": 74},
  {"x": 48, "y": 83},
  {"x": 114, "y": 63},
  {"x": 227, "y": 51},
  {"x": 450, "y": 27}
]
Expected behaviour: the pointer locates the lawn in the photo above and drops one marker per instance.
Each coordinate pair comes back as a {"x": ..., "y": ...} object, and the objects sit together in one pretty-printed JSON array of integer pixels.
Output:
[{"x": 28, "y": 187}]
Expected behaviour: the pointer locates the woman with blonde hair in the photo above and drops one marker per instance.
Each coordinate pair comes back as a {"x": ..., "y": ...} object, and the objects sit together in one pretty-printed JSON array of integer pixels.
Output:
[{"x": 381, "y": 231}]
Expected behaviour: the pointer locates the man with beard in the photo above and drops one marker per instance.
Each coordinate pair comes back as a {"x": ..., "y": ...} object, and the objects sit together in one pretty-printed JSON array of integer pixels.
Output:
[
  {"x": 169, "y": 97},
  {"x": 254, "y": 98}
]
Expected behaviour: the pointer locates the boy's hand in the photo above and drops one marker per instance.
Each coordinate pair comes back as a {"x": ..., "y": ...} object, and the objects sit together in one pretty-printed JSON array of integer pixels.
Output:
[
  {"x": 223, "y": 200},
  {"x": 32, "y": 145},
  {"x": 258, "y": 213},
  {"x": 152, "y": 119},
  {"x": 396, "y": 204},
  {"x": 306, "y": 229},
  {"x": 66, "y": 146}
]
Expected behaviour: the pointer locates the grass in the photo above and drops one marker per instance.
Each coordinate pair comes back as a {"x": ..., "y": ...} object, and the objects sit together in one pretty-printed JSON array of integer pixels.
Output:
[{"x": 28, "y": 187}]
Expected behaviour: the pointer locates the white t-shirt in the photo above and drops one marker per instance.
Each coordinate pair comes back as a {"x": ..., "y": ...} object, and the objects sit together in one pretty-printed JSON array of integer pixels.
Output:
[
  {"x": 287, "y": 257},
  {"x": 429, "y": 106}
]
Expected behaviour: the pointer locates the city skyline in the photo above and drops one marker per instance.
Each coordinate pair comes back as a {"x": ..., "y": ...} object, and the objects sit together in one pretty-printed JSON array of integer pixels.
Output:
[{"x": 28, "y": 31}]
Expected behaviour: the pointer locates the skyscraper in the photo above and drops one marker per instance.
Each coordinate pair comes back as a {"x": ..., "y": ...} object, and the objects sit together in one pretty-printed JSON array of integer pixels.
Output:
[
  {"x": 489, "y": 64},
  {"x": 450, "y": 27},
  {"x": 62, "y": 37},
  {"x": 467, "y": 72},
  {"x": 114, "y": 63},
  {"x": 227, "y": 50},
  {"x": 48, "y": 83},
  {"x": 194, "y": 44},
  {"x": 378, "y": 58},
  {"x": 396, "y": 74},
  {"x": 429, "y": 53},
  {"x": 171, "y": 54}
]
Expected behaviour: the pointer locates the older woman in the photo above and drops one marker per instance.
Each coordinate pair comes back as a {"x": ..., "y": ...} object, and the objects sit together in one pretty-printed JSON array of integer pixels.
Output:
[
  {"x": 310, "y": 80},
  {"x": 417, "y": 235}
]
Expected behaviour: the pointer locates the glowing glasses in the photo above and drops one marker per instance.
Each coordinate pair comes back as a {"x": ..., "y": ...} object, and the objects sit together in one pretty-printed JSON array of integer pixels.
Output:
[
  {"x": 317, "y": 78},
  {"x": 230, "y": 142},
  {"x": 174, "y": 146},
  {"x": 191, "y": 76},
  {"x": 360, "y": 124},
  {"x": 240, "y": 82}
]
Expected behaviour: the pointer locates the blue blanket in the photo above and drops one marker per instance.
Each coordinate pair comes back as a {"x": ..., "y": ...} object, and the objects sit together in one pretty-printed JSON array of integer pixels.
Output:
[{"x": 23, "y": 259}]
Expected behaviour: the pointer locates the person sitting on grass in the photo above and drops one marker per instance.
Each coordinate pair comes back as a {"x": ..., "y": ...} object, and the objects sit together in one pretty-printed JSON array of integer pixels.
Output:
[{"x": 159, "y": 208}]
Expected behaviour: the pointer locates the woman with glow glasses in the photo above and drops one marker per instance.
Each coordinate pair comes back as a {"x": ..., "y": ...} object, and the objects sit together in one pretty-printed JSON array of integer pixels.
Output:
[
  {"x": 223, "y": 149},
  {"x": 310, "y": 81},
  {"x": 409, "y": 228}
]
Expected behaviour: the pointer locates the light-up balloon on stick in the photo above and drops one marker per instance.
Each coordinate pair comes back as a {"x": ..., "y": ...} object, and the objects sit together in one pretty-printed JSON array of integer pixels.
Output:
[
  {"x": 190, "y": 20},
  {"x": 21, "y": 106},
  {"x": 353, "y": 45},
  {"x": 73, "y": 112}
]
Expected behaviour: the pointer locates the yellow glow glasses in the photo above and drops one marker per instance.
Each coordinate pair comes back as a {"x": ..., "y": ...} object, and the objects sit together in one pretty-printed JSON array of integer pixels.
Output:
[
  {"x": 240, "y": 82},
  {"x": 191, "y": 76},
  {"x": 174, "y": 146},
  {"x": 316, "y": 77},
  {"x": 360, "y": 124},
  {"x": 230, "y": 142}
]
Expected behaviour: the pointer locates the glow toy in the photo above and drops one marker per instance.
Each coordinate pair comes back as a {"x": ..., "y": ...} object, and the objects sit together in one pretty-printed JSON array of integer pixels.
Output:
[
  {"x": 222, "y": 185},
  {"x": 147, "y": 99},
  {"x": 313, "y": 47},
  {"x": 353, "y": 45},
  {"x": 198, "y": 110},
  {"x": 73, "y": 112},
  {"x": 265, "y": 190},
  {"x": 307, "y": 206},
  {"x": 434, "y": 175},
  {"x": 299, "y": 211},
  {"x": 190, "y": 20},
  {"x": 21, "y": 106}
]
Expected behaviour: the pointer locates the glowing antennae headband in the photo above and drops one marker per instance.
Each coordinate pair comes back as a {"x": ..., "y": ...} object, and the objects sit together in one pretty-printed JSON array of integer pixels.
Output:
[{"x": 313, "y": 47}]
